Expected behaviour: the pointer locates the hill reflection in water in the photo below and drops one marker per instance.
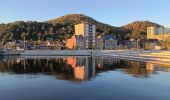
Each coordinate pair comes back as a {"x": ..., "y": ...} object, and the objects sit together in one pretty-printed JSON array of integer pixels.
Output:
[{"x": 78, "y": 68}]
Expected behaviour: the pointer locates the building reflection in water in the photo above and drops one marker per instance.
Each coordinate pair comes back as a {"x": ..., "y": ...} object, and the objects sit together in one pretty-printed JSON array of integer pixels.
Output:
[
  {"x": 150, "y": 67},
  {"x": 157, "y": 67},
  {"x": 83, "y": 67},
  {"x": 78, "y": 68}
]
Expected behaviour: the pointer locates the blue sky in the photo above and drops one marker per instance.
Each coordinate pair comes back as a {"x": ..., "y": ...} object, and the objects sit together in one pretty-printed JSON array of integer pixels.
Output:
[{"x": 113, "y": 12}]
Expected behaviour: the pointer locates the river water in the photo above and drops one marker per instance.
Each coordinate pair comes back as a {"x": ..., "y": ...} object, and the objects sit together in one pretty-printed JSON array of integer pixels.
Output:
[{"x": 82, "y": 78}]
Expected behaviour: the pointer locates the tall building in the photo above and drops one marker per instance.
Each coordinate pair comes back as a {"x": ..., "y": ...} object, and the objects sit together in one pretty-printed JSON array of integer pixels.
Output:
[
  {"x": 158, "y": 33},
  {"x": 87, "y": 31}
]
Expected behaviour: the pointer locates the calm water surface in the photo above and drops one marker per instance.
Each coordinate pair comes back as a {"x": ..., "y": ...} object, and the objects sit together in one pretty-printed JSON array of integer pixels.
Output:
[{"x": 82, "y": 78}]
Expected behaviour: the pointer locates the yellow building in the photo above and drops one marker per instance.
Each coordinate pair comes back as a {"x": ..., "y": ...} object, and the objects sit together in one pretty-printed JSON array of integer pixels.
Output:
[
  {"x": 158, "y": 33},
  {"x": 80, "y": 29}
]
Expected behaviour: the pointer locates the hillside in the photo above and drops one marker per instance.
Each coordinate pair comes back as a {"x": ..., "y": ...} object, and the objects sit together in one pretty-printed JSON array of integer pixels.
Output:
[
  {"x": 138, "y": 29},
  {"x": 73, "y": 19},
  {"x": 63, "y": 27},
  {"x": 56, "y": 29},
  {"x": 31, "y": 30}
]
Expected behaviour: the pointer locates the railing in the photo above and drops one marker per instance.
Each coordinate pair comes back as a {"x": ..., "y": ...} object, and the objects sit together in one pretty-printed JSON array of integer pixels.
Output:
[
  {"x": 81, "y": 52},
  {"x": 10, "y": 52}
]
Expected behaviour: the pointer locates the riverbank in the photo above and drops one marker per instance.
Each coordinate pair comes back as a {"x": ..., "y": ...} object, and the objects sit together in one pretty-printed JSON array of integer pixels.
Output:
[
  {"x": 48, "y": 53},
  {"x": 137, "y": 55},
  {"x": 156, "y": 56}
]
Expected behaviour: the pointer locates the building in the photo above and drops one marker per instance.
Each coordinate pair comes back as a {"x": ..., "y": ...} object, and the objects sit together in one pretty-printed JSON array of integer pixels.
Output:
[
  {"x": 85, "y": 38},
  {"x": 160, "y": 33},
  {"x": 99, "y": 43},
  {"x": 71, "y": 42},
  {"x": 80, "y": 42},
  {"x": 10, "y": 45},
  {"x": 152, "y": 44},
  {"x": 110, "y": 42},
  {"x": 133, "y": 44},
  {"x": 87, "y": 31}
]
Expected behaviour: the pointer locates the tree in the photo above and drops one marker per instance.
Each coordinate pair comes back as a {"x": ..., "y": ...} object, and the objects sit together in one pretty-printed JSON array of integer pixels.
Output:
[{"x": 135, "y": 34}]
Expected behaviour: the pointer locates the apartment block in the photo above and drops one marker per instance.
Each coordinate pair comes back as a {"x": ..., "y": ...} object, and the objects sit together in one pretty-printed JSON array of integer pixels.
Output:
[
  {"x": 88, "y": 32},
  {"x": 160, "y": 33}
]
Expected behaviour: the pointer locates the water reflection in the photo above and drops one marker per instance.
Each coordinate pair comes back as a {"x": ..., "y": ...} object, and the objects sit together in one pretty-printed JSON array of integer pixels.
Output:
[{"x": 78, "y": 68}]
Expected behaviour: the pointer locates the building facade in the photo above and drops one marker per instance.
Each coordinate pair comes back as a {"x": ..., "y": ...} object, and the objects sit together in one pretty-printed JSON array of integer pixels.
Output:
[
  {"x": 85, "y": 38},
  {"x": 99, "y": 43},
  {"x": 71, "y": 42},
  {"x": 80, "y": 42},
  {"x": 158, "y": 33},
  {"x": 110, "y": 42},
  {"x": 87, "y": 31}
]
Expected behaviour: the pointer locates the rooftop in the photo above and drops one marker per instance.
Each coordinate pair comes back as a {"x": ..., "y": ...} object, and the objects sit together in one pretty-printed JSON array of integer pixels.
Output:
[{"x": 108, "y": 36}]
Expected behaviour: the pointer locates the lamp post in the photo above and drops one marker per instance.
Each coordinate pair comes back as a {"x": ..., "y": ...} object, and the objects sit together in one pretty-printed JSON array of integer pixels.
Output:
[
  {"x": 24, "y": 43},
  {"x": 138, "y": 43},
  {"x": 24, "y": 34}
]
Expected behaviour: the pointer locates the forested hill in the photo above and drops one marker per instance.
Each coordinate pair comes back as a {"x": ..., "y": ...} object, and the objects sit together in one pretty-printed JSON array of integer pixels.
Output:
[
  {"x": 56, "y": 29},
  {"x": 72, "y": 19},
  {"x": 78, "y": 18},
  {"x": 138, "y": 29},
  {"x": 63, "y": 27}
]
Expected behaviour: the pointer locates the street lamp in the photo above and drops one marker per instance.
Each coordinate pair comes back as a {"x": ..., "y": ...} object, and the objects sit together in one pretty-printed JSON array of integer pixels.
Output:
[
  {"x": 24, "y": 43},
  {"x": 24, "y": 34}
]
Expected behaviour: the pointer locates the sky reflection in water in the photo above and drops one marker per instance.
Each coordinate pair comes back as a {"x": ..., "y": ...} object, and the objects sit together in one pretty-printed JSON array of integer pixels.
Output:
[{"x": 82, "y": 78}]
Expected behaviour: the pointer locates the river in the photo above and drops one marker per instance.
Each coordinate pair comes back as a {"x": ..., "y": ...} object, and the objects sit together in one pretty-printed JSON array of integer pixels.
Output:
[{"x": 82, "y": 78}]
